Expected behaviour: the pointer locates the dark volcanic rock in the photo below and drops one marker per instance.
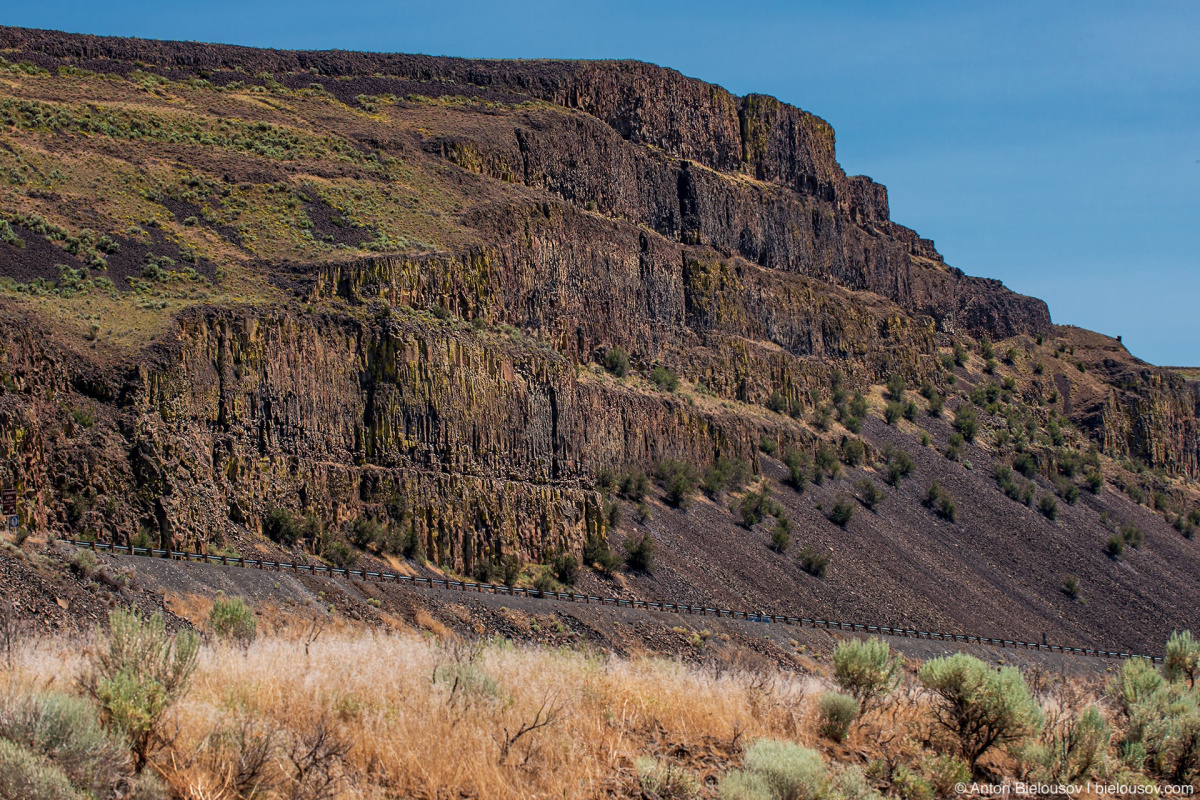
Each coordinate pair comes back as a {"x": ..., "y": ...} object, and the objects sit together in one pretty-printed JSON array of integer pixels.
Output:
[{"x": 697, "y": 145}]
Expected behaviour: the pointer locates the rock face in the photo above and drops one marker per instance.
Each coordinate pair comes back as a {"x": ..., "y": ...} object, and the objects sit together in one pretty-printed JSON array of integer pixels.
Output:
[
  {"x": 457, "y": 391},
  {"x": 748, "y": 176}
]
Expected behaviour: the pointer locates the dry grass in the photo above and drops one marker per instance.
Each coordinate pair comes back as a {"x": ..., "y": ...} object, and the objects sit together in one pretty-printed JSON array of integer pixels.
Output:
[
  {"x": 428, "y": 717},
  {"x": 322, "y": 712}
]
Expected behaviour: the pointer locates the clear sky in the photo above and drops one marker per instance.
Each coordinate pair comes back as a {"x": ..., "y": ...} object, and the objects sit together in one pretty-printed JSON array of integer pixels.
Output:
[{"x": 1053, "y": 145}]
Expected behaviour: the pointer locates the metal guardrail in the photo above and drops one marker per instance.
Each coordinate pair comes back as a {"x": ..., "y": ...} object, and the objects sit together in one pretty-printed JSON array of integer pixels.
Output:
[{"x": 649, "y": 605}]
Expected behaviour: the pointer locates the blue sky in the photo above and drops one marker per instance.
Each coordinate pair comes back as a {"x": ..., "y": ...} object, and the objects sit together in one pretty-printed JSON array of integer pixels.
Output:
[{"x": 1055, "y": 146}]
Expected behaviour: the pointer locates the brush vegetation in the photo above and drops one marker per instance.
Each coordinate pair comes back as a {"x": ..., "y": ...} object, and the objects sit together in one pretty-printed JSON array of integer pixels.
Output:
[{"x": 355, "y": 714}]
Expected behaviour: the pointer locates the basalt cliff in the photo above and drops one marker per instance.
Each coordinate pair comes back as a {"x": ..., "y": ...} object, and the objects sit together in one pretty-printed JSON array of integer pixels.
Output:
[{"x": 456, "y": 296}]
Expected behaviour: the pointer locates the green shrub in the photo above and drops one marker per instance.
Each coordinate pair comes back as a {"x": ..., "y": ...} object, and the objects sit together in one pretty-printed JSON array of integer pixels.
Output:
[
  {"x": 798, "y": 467},
  {"x": 892, "y": 412},
  {"x": 1066, "y": 490},
  {"x": 944, "y": 772},
  {"x": 768, "y": 445},
  {"x": 777, "y": 402},
  {"x": 606, "y": 481},
  {"x": 841, "y": 512},
  {"x": 870, "y": 494},
  {"x": 910, "y": 785},
  {"x": 724, "y": 475},
  {"x": 837, "y": 387},
  {"x": 679, "y": 480},
  {"x": 986, "y": 349},
  {"x": 895, "y": 387},
  {"x": 789, "y": 771},
  {"x": 781, "y": 535},
  {"x": 826, "y": 463},
  {"x": 1137, "y": 681},
  {"x": 938, "y": 500},
  {"x": 597, "y": 553},
  {"x": 368, "y": 534},
  {"x": 948, "y": 361},
  {"x": 666, "y": 781},
  {"x": 966, "y": 421},
  {"x": 503, "y": 568},
  {"x": 954, "y": 449},
  {"x": 8, "y": 235},
  {"x": 281, "y": 527},
  {"x": 1071, "y": 587},
  {"x": 137, "y": 674},
  {"x": 545, "y": 582},
  {"x": 1182, "y": 661},
  {"x": 778, "y": 770},
  {"x": 1026, "y": 464},
  {"x": 899, "y": 466},
  {"x": 639, "y": 553},
  {"x": 936, "y": 403},
  {"x": 67, "y": 737},
  {"x": 664, "y": 379},
  {"x": 1048, "y": 506},
  {"x": 981, "y": 707},
  {"x": 230, "y": 618},
  {"x": 616, "y": 361},
  {"x": 1068, "y": 462},
  {"x": 853, "y": 452},
  {"x": 633, "y": 485},
  {"x": 757, "y": 505},
  {"x": 470, "y": 678},
  {"x": 1162, "y": 722},
  {"x": 1132, "y": 535},
  {"x": 961, "y": 356},
  {"x": 1021, "y": 491},
  {"x": 1115, "y": 546},
  {"x": 77, "y": 507},
  {"x": 858, "y": 405},
  {"x": 1094, "y": 481},
  {"x": 813, "y": 562},
  {"x": 26, "y": 775},
  {"x": 866, "y": 669},
  {"x": 411, "y": 545},
  {"x": 565, "y": 567},
  {"x": 1074, "y": 751},
  {"x": 337, "y": 552},
  {"x": 836, "y": 713},
  {"x": 612, "y": 514},
  {"x": 743, "y": 785},
  {"x": 85, "y": 563}
]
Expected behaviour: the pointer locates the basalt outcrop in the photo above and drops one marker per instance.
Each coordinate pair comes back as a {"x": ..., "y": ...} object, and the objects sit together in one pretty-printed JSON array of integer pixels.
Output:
[{"x": 455, "y": 388}]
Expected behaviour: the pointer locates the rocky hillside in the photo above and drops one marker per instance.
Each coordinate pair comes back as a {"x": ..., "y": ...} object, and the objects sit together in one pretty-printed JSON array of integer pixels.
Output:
[{"x": 454, "y": 297}]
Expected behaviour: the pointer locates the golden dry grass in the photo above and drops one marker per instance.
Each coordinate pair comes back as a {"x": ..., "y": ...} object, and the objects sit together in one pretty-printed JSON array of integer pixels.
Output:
[
  {"x": 337, "y": 712},
  {"x": 434, "y": 718}
]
